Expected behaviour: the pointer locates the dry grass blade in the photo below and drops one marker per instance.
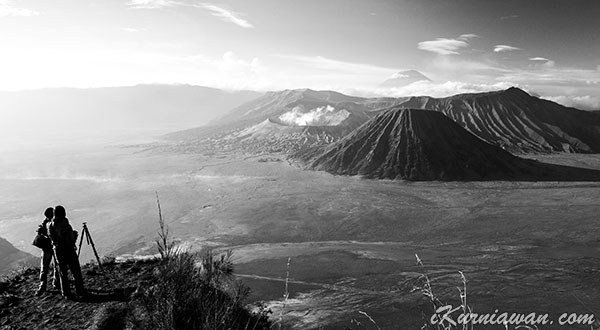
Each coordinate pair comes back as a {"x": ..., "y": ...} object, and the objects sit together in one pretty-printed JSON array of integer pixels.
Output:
[
  {"x": 286, "y": 294},
  {"x": 370, "y": 319},
  {"x": 166, "y": 247}
]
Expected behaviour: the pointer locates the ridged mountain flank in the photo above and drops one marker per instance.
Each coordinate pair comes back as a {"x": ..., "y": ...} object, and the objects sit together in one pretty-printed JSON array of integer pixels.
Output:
[
  {"x": 421, "y": 145},
  {"x": 289, "y": 120},
  {"x": 273, "y": 105},
  {"x": 519, "y": 122}
]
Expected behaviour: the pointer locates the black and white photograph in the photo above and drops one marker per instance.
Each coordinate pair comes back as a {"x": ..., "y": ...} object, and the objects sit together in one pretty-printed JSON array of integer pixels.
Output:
[{"x": 300, "y": 164}]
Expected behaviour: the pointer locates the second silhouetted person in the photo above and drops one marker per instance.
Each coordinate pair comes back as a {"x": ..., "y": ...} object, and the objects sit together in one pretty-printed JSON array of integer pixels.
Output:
[{"x": 63, "y": 238}]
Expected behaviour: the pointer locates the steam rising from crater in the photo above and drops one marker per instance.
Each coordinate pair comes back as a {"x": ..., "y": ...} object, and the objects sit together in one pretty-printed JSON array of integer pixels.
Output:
[{"x": 321, "y": 116}]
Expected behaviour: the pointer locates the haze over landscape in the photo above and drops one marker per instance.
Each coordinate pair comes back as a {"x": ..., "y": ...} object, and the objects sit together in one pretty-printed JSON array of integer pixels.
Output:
[{"x": 346, "y": 135}]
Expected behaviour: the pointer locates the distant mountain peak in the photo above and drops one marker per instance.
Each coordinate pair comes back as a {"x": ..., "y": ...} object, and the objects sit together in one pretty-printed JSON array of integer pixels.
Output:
[
  {"x": 516, "y": 91},
  {"x": 274, "y": 104},
  {"x": 422, "y": 145},
  {"x": 403, "y": 78},
  {"x": 517, "y": 121},
  {"x": 415, "y": 145},
  {"x": 408, "y": 74}
]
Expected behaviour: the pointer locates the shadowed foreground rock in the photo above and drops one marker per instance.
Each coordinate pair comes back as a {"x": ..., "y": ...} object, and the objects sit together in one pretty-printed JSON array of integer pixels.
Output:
[{"x": 114, "y": 300}]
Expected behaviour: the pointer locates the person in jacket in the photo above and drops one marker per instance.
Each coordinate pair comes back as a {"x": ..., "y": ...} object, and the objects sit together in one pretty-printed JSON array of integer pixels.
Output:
[
  {"x": 63, "y": 238},
  {"x": 47, "y": 255}
]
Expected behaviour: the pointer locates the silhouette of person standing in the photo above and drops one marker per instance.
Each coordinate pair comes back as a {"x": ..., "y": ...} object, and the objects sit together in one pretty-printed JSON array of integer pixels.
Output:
[
  {"x": 47, "y": 254},
  {"x": 63, "y": 238}
]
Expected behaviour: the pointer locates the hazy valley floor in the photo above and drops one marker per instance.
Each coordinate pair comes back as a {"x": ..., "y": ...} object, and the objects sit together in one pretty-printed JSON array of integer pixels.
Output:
[{"x": 524, "y": 247}]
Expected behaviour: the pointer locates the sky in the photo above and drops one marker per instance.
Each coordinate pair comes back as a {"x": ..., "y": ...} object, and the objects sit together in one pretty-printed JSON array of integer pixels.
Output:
[{"x": 548, "y": 47}]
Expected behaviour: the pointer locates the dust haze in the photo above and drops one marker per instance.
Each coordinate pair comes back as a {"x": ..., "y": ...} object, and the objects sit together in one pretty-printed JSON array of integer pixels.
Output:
[{"x": 352, "y": 240}]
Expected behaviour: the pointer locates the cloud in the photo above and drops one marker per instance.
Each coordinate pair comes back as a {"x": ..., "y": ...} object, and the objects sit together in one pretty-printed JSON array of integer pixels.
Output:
[
  {"x": 446, "y": 46},
  {"x": 457, "y": 68},
  {"x": 504, "y": 48},
  {"x": 585, "y": 102},
  {"x": 226, "y": 15},
  {"x": 324, "y": 63},
  {"x": 442, "y": 46},
  {"x": 239, "y": 73},
  {"x": 301, "y": 71},
  {"x": 7, "y": 9},
  {"x": 151, "y": 4},
  {"x": 445, "y": 89},
  {"x": 551, "y": 76},
  {"x": 221, "y": 12},
  {"x": 548, "y": 63},
  {"x": 231, "y": 62},
  {"x": 467, "y": 36},
  {"x": 321, "y": 116}
]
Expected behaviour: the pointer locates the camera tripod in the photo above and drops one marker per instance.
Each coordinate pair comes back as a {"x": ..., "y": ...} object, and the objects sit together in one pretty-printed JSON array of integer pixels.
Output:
[{"x": 88, "y": 238}]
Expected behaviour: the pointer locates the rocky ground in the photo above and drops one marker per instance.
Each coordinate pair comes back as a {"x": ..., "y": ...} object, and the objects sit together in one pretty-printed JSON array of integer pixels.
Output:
[{"x": 105, "y": 305}]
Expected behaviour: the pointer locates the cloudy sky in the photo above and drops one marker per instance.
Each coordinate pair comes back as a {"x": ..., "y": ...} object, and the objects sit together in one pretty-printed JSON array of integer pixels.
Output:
[{"x": 550, "y": 47}]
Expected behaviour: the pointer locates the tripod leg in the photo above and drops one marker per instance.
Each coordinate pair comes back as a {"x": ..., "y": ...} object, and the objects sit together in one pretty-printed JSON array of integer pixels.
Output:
[
  {"x": 81, "y": 241},
  {"x": 89, "y": 236}
]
